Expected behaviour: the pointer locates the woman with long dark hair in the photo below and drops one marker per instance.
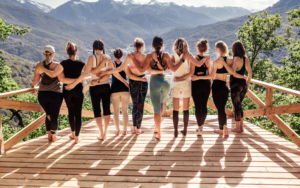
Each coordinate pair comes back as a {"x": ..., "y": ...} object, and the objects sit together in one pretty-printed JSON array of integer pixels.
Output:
[
  {"x": 99, "y": 87},
  {"x": 72, "y": 68},
  {"x": 200, "y": 88},
  {"x": 238, "y": 86},
  {"x": 50, "y": 94},
  {"x": 220, "y": 89},
  {"x": 159, "y": 83}
]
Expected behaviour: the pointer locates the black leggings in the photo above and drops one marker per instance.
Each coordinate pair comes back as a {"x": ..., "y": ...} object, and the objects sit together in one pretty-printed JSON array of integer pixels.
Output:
[
  {"x": 138, "y": 92},
  {"x": 51, "y": 103},
  {"x": 238, "y": 90},
  {"x": 220, "y": 96},
  {"x": 200, "y": 94},
  {"x": 98, "y": 93},
  {"x": 74, "y": 99}
]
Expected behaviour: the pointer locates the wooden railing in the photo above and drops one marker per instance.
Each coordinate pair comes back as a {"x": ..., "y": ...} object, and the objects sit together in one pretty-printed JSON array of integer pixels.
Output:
[{"x": 264, "y": 109}]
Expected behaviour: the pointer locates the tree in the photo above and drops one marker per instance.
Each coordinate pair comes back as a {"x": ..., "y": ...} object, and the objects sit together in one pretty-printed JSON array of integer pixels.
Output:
[
  {"x": 294, "y": 47},
  {"x": 6, "y": 82},
  {"x": 259, "y": 35}
]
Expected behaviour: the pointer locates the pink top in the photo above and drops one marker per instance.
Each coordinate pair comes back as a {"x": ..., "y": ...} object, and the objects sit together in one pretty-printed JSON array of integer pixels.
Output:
[{"x": 137, "y": 57}]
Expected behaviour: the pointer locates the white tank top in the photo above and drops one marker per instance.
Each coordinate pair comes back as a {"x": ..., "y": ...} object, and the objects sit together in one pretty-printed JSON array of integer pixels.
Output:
[
  {"x": 94, "y": 77},
  {"x": 182, "y": 70}
]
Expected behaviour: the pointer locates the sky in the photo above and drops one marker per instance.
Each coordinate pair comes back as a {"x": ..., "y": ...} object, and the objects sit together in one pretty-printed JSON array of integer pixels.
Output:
[{"x": 247, "y": 4}]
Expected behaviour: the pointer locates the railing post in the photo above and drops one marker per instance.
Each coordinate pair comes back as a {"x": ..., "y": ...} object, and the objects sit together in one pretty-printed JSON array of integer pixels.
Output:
[
  {"x": 1, "y": 138},
  {"x": 269, "y": 97}
]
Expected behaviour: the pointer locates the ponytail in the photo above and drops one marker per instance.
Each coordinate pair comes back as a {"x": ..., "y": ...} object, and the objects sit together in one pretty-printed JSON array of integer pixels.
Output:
[{"x": 157, "y": 45}]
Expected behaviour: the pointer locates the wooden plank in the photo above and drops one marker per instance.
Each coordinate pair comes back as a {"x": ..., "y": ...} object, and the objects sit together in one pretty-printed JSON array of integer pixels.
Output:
[
  {"x": 2, "y": 150},
  {"x": 24, "y": 132},
  {"x": 269, "y": 97},
  {"x": 12, "y": 93},
  {"x": 149, "y": 108},
  {"x": 279, "y": 88},
  {"x": 34, "y": 107},
  {"x": 286, "y": 109}
]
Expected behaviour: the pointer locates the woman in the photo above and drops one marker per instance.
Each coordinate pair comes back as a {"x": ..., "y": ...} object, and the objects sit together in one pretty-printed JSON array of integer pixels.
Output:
[
  {"x": 200, "y": 88},
  {"x": 120, "y": 93},
  {"x": 137, "y": 82},
  {"x": 99, "y": 87},
  {"x": 159, "y": 83},
  {"x": 219, "y": 87},
  {"x": 71, "y": 68},
  {"x": 238, "y": 86},
  {"x": 50, "y": 94}
]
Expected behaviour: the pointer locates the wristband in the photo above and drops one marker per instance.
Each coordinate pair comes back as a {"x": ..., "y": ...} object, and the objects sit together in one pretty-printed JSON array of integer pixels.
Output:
[
  {"x": 99, "y": 81},
  {"x": 182, "y": 60},
  {"x": 163, "y": 71}
]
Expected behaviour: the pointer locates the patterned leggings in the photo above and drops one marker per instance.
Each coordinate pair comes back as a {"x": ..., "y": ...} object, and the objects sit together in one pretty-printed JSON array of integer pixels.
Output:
[
  {"x": 238, "y": 90},
  {"x": 138, "y": 92}
]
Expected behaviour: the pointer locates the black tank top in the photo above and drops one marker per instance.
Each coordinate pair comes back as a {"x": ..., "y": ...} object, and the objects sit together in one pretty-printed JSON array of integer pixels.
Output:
[
  {"x": 47, "y": 80},
  {"x": 223, "y": 69},
  {"x": 116, "y": 84},
  {"x": 201, "y": 71},
  {"x": 241, "y": 72}
]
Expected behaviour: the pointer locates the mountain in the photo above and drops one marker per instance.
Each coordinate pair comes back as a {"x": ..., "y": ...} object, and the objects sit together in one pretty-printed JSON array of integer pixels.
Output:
[
  {"x": 90, "y": 13},
  {"x": 220, "y": 13},
  {"x": 28, "y": 4},
  {"x": 225, "y": 30},
  {"x": 49, "y": 30}
]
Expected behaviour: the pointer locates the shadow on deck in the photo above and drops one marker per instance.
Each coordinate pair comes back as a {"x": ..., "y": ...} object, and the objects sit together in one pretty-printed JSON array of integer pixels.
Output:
[{"x": 255, "y": 158}]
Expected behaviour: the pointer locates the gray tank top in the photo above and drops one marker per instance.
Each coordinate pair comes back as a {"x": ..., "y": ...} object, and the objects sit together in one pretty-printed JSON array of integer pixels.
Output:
[{"x": 48, "y": 83}]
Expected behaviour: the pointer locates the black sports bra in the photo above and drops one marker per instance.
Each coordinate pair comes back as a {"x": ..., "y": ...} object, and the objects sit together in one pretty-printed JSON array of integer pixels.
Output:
[
  {"x": 153, "y": 63},
  {"x": 201, "y": 71},
  {"x": 223, "y": 69},
  {"x": 243, "y": 69}
]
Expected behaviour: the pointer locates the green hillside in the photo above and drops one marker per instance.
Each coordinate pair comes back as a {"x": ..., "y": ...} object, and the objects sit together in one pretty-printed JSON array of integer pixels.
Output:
[{"x": 22, "y": 70}]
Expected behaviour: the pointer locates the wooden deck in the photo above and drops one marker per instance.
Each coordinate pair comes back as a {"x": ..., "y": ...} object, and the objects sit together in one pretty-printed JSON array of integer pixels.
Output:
[{"x": 255, "y": 158}]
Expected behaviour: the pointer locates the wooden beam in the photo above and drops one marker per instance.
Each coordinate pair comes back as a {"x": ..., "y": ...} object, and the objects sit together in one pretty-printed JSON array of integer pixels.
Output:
[
  {"x": 281, "y": 124},
  {"x": 286, "y": 109},
  {"x": 2, "y": 150},
  {"x": 12, "y": 93},
  {"x": 26, "y": 106},
  {"x": 279, "y": 88},
  {"x": 269, "y": 97},
  {"x": 149, "y": 108},
  {"x": 24, "y": 132}
]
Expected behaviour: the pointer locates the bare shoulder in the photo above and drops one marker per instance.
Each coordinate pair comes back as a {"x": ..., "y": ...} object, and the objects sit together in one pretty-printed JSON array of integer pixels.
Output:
[{"x": 216, "y": 63}]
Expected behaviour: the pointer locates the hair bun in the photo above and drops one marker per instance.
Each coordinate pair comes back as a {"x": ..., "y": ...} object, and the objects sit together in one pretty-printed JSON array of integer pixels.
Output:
[{"x": 204, "y": 42}]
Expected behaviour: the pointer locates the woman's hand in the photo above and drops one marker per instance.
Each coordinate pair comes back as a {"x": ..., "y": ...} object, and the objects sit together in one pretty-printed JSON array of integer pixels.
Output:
[
  {"x": 70, "y": 86},
  {"x": 194, "y": 78},
  {"x": 34, "y": 91},
  {"x": 176, "y": 79},
  {"x": 127, "y": 84},
  {"x": 39, "y": 65},
  {"x": 94, "y": 82},
  {"x": 144, "y": 79},
  {"x": 101, "y": 74}
]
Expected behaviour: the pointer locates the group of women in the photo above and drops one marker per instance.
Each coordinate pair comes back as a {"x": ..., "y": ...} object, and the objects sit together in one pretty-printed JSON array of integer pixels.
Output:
[{"x": 191, "y": 77}]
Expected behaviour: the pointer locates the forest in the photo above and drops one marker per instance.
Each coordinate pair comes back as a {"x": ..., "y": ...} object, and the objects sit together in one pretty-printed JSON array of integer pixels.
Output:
[{"x": 262, "y": 34}]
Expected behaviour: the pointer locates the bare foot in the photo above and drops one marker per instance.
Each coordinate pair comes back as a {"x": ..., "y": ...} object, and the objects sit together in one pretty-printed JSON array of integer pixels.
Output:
[
  {"x": 71, "y": 136},
  {"x": 99, "y": 137},
  {"x": 50, "y": 137},
  {"x": 117, "y": 133},
  {"x": 226, "y": 132},
  {"x": 218, "y": 131},
  {"x": 77, "y": 140},
  {"x": 124, "y": 133},
  {"x": 158, "y": 136},
  {"x": 55, "y": 138},
  {"x": 199, "y": 132},
  {"x": 235, "y": 130}
]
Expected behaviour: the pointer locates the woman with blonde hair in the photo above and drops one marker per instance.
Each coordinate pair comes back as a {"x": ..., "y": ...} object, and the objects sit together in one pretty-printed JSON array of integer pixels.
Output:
[
  {"x": 182, "y": 86},
  {"x": 200, "y": 88},
  {"x": 71, "y": 68},
  {"x": 220, "y": 89}
]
